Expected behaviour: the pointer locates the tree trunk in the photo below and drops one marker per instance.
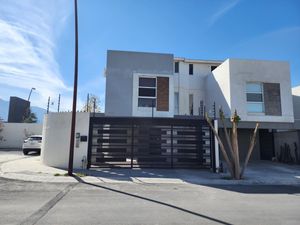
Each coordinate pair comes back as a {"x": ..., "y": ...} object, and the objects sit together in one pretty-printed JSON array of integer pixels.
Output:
[
  {"x": 251, "y": 146},
  {"x": 230, "y": 167},
  {"x": 235, "y": 150}
]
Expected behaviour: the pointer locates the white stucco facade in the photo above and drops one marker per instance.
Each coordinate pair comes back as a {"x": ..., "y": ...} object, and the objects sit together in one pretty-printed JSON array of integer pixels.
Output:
[
  {"x": 191, "y": 93},
  {"x": 186, "y": 84},
  {"x": 147, "y": 111},
  {"x": 217, "y": 88},
  {"x": 56, "y": 139},
  {"x": 243, "y": 71}
]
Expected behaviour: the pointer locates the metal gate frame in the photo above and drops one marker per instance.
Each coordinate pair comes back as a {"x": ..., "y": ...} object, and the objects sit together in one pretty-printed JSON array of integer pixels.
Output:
[{"x": 205, "y": 151}]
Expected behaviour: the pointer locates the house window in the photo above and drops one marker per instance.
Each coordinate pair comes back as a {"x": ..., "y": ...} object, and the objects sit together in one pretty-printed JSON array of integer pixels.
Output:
[
  {"x": 147, "y": 92},
  {"x": 191, "y": 69},
  {"x": 176, "y": 103},
  {"x": 176, "y": 67},
  {"x": 255, "y": 101}
]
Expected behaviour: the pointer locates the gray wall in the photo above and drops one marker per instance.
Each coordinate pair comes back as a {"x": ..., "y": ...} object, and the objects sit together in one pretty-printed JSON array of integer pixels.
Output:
[
  {"x": 296, "y": 101},
  {"x": 244, "y": 141},
  {"x": 119, "y": 77}
]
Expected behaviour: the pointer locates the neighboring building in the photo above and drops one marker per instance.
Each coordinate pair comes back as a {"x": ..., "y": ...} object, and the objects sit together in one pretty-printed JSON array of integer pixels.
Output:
[
  {"x": 161, "y": 85},
  {"x": 18, "y": 108}
]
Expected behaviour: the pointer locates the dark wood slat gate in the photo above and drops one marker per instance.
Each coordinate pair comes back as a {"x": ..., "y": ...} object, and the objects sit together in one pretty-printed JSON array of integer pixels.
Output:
[{"x": 149, "y": 142}]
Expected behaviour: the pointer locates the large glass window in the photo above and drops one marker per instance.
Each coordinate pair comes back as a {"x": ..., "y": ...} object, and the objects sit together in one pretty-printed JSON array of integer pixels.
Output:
[
  {"x": 255, "y": 101},
  {"x": 147, "y": 92}
]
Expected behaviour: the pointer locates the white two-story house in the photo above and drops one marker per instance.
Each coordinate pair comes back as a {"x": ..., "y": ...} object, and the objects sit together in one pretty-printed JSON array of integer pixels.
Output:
[{"x": 161, "y": 85}]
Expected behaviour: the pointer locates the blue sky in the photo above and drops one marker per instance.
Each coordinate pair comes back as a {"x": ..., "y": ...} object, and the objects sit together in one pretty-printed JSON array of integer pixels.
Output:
[{"x": 37, "y": 40}]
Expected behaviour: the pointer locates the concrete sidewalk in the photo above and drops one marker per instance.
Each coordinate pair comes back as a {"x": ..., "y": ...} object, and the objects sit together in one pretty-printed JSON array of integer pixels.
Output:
[{"x": 31, "y": 169}]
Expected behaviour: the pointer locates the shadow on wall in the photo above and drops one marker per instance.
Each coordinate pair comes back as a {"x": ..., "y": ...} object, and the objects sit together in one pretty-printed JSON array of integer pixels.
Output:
[
  {"x": 287, "y": 146},
  {"x": 215, "y": 94},
  {"x": 296, "y": 103},
  {"x": 244, "y": 137}
]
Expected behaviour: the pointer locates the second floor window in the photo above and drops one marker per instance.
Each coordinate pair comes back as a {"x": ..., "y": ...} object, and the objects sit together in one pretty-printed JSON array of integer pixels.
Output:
[
  {"x": 176, "y": 69},
  {"x": 147, "y": 92},
  {"x": 191, "y": 69},
  {"x": 255, "y": 101}
]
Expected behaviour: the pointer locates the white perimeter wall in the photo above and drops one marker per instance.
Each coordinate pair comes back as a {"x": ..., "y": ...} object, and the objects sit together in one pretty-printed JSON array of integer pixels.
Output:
[
  {"x": 56, "y": 139},
  {"x": 13, "y": 134}
]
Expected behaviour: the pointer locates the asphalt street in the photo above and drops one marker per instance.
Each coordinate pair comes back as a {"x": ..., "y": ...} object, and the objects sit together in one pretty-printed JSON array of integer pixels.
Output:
[{"x": 24, "y": 202}]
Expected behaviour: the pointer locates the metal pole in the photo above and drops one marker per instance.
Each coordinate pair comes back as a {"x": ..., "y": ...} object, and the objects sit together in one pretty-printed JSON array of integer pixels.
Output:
[
  {"x": 48, "y": 104},
  {"x": 58, "y": 104},
  {"x": 71, "y": 155},
  {"x": 217, "y": 156},
  {"x": 30, "y": 93}
]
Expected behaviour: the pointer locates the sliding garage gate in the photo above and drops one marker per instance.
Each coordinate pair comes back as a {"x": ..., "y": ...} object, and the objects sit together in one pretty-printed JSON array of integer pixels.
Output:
[{"x": 149, "y": 143}]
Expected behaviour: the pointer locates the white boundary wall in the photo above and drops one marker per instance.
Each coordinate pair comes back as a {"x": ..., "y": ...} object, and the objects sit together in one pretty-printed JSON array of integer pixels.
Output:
[
  {"x": 13, "y": 134},
  {"x": 56, "y": 139}
]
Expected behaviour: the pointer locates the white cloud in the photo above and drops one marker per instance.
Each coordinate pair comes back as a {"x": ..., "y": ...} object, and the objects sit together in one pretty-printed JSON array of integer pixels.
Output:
[
  {"x": 28, "y": 33},
  {"x": 222, "y": 11}
]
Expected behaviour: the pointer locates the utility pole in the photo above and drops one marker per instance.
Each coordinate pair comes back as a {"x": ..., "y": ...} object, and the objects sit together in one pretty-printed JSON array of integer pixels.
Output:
[
  {"x": 58, "y": 104},
  {"x": 48, "y": 104},
  {"x": 71, "y": 155}
]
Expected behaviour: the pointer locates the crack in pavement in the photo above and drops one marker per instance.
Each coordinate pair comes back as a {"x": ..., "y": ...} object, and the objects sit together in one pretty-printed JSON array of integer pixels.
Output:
[{"x": 36, "y": 216}]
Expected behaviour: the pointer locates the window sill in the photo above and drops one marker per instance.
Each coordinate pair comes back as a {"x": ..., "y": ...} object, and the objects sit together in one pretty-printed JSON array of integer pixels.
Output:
[{"x": 255, "y": 114}]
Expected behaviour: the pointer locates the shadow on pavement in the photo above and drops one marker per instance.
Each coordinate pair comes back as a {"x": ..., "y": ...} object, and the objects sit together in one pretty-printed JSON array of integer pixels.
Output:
[
  {"x": 252, "y": 184},
  {"x": 152, "y": 200}
]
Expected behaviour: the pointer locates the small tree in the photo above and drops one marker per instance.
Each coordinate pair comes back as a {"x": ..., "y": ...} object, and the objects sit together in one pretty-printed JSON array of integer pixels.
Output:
[
  {"x": 30, "y": 117},
  {"x": 233, "y": 159},
  {"x": 93, "y": 104}
]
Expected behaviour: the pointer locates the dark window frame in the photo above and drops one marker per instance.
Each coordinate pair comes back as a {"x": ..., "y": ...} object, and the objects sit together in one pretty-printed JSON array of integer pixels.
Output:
[
  {"x": 176, "y": 67},
  {"x": 191, "y": 69},
  {"x": 145, "y": 99}
]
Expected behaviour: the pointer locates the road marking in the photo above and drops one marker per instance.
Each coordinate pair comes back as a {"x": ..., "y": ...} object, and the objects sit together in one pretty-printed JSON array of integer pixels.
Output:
[{"x": 35, "y": 217}]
